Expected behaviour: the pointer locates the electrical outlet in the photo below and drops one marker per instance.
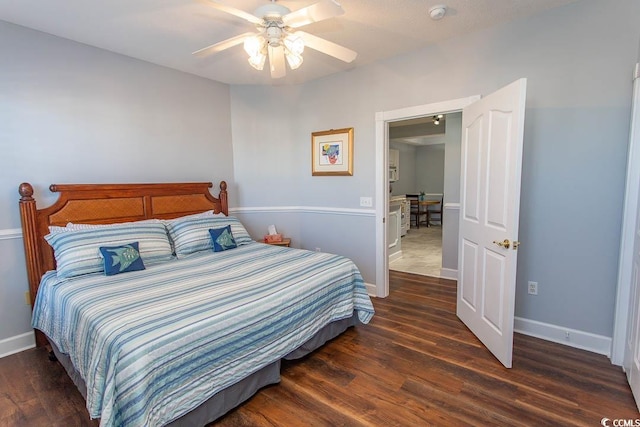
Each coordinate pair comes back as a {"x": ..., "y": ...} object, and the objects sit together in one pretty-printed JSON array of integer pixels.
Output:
[
  {"x": 317, "y": 249},
  {"x": 27, "y": 298},
  {"x": 567, "y": 335},
  {"x": 533, "y": 288},
  {"x": 366, "y": 202}
]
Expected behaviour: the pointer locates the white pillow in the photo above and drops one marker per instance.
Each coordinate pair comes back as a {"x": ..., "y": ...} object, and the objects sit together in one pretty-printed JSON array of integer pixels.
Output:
[
  {"x": 191, "y": 235},
  {"x": 77, "y": 251}
]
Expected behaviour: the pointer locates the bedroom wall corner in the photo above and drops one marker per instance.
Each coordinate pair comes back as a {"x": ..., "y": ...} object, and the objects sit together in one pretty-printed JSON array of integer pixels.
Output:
[
  {"x": 317, "y": 228},
  {"x": 276, "y": 186}
]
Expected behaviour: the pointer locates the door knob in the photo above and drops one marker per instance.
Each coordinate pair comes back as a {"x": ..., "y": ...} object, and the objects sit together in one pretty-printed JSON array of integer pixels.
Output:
[{"x": 504, "y": 244}]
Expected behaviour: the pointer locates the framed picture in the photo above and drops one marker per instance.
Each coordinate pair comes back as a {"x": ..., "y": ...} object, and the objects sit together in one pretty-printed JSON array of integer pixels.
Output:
[{"x": 332, "y": 152}]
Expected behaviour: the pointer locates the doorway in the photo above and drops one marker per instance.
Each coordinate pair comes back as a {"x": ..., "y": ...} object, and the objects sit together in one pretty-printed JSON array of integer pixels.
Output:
[
  {"x": 427, "y": 150},
  {"x": 493, "y": 134},
  {"x": 383, "y": 120}
]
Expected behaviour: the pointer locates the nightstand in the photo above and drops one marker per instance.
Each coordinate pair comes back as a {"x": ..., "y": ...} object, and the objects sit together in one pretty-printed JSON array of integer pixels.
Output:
[{"x": 285, "y": 242}]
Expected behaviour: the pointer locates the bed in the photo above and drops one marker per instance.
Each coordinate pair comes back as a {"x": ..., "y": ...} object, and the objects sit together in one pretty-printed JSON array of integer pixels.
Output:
[{"x": 191, "y": 334}]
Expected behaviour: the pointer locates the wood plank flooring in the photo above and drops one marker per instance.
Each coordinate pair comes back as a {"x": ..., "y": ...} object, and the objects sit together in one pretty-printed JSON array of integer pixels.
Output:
[{"x": 415, "y": 364}]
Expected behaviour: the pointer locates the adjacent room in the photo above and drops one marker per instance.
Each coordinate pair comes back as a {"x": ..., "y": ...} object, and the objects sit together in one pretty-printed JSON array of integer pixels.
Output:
[
  {"x": 400, "y": 189},
  {"x": 424, "y": 160}
]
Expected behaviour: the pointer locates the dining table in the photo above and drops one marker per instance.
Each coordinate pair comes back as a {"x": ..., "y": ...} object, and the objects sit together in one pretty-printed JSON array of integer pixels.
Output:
[{"x": 423, "y": 209}]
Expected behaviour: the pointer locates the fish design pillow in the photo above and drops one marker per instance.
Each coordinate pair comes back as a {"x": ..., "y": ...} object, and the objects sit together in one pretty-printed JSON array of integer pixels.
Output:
[
  {"x": 222, "y": 239},
  {"x": 121, "y": 259}
]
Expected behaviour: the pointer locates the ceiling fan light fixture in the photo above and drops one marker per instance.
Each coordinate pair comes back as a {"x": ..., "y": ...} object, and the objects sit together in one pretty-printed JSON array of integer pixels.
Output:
[
  {"x": 272, "y": 10},
  {"x": 275, "y": 38},
  {"x": 294, "y": 44},
  {"x": 257, "y": 61},
  {"x": 295, "y": 61},
  {"x": 273, "y": 34},
  {"x": 293, "y": 48},
  {"x": 253, "y": 45}
]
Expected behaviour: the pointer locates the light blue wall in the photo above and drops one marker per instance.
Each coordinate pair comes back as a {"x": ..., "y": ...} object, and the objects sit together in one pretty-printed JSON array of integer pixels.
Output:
[
  {"x": 578, "y": 72},
  {"x": 451, "y": 211},
  {"x": 407, "y": 182},
  {"x": 452, "y": 158},
  {"x": 421, "y": 169},
  {"x": 15, "y": 314},
  {"x": 430, "y": 169},
  {"x": 272, "y": 129},
  {"x": 70, "y": 113}
]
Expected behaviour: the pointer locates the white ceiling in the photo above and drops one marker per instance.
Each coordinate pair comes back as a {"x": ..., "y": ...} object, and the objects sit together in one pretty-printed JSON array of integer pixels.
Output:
[{"x": 165, "y": 32}]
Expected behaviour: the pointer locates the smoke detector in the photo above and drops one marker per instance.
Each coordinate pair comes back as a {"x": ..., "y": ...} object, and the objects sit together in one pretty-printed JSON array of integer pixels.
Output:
[{"x": 438, "y": 12}]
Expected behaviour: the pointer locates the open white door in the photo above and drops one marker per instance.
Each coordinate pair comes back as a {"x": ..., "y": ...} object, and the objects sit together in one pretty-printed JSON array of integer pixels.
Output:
[
  {"x": 630, "y": 247},
  {"x": 492, "y": 134},
  {"x": 632, "y": 353}
]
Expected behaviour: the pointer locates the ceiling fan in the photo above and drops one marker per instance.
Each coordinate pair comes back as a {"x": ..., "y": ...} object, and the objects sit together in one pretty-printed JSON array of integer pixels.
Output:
[{"x": 276, "y": 37}]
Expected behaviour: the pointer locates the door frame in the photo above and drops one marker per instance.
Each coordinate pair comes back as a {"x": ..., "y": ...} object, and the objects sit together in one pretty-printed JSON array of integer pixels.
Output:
[
  {"x": 630, "y": 214},
  {"x": 383, "y": 118}
]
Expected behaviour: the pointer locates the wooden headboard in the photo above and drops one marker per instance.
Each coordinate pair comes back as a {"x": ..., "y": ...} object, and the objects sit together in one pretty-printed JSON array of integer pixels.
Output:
[{"x": 105, "y": 204}]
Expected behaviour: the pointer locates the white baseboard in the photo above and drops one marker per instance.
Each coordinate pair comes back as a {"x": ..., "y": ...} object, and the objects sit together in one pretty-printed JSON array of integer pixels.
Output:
[
  {"x": 449, "y": 273},
  {"x": 372, "y": 290},
  {"x": 394, "y": 256},
  {"x": 17, "y": 344},
  {"x": 558, "y": 334}
]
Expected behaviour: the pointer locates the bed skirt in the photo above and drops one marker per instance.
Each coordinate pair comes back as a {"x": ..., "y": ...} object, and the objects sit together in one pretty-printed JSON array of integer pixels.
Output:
[{"x": 229, "y": 398}]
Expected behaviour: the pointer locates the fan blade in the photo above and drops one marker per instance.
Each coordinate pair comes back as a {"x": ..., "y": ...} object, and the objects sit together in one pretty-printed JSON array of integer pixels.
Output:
[
  {"x": 327, "y": 47},
  {"x": 220, "y": 46},
  {"x": 236, "y": 12},
  {"x": 316, "y": 12},
  {"x": 276, "y": 62}
]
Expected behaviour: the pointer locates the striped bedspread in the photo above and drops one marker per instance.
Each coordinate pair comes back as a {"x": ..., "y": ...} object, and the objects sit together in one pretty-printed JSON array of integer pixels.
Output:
[{"x": 152, "y": 345}]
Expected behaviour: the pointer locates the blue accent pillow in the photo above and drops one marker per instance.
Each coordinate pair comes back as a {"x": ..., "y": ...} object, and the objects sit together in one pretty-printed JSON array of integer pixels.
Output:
[
  {"x": 222, "y": 239},
  {"x": 121, "y": 259}
]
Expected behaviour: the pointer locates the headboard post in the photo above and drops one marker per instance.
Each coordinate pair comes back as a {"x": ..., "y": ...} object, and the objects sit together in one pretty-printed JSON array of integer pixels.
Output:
[
  {"x": 223, "y": 198},
  {"x": 30, "y": 236},
  {"x": 31, "y": 246}
]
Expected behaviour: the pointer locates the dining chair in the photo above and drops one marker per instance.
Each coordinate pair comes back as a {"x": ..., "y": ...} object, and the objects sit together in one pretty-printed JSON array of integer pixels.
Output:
[
  {"x": 435, "y": 210},
  {"x": 414, "y": 212}
]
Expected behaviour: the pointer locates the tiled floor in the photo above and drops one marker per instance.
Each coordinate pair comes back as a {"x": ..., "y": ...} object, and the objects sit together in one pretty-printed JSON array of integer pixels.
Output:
[{"x": 421, "y": 252}]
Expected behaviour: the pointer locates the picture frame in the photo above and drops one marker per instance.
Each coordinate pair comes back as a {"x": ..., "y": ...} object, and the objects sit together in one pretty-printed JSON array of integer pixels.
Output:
[{"x": 332, "y": 152}]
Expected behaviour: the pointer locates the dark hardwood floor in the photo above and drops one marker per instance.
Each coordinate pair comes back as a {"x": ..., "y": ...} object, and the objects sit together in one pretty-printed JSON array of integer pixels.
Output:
[{"x": 415, "y": 364}]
